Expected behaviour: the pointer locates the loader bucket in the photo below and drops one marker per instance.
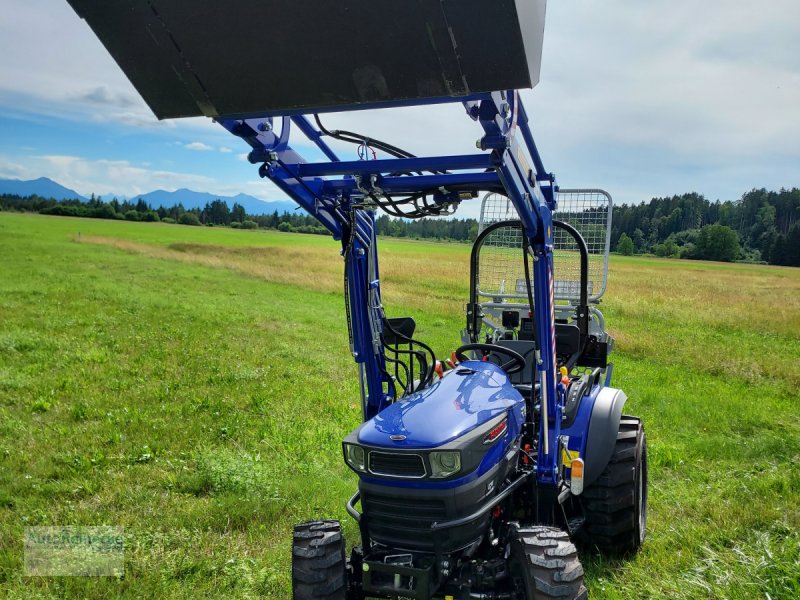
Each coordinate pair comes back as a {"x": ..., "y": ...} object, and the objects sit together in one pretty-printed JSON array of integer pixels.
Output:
[{"x": 247, "y": 57}]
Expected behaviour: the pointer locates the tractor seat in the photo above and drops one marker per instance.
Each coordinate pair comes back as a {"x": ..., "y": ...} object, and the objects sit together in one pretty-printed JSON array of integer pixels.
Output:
[{"x": 526, "y": 349}]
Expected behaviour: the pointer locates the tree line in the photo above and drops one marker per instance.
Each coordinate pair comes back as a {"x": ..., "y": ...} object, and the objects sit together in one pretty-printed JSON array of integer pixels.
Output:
[
  {"x": 763, "y": 226},
  {"x": 215, "y": 213}
]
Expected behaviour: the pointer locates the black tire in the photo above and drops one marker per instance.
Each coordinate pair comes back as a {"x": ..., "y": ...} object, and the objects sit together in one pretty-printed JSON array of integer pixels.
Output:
[
  {"x": 544, "y": 564},
  {"x": 615, "y": 506},
  {"x": 318, "y": 561}
]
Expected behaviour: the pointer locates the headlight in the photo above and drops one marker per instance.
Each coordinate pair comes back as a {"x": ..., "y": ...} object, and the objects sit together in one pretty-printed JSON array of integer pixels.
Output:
[
  {"x": 445, "y": 463},
  {"x": 355, "y": 457}
]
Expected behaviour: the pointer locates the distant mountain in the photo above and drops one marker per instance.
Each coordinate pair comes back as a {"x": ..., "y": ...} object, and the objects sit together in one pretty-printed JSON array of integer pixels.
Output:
[
  {"x": 47, "y": 188},
  {"x": 191, "y": 199},
  {"x": 44, "y": 187}
]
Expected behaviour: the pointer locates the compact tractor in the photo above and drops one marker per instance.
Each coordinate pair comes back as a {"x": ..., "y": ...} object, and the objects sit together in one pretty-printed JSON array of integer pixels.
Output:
[{"x": 474, "y": 481}]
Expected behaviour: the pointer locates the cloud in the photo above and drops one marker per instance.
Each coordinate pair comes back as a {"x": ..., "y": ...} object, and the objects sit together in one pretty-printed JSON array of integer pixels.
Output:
[
  {"x": 133, "y": 119},
  {"x": 104, "y": 95},
  {"x": 13, "y": 170},
  {"x": 104, "y": 177},
  {"x": 198, "y": 146},
  {"x": 122, "y": 178},
  {"x": 225, "y": 150}
]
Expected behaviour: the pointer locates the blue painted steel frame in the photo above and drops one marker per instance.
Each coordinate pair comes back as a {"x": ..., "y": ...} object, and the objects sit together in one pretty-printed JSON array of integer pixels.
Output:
[{"x": 337, "y": 193}]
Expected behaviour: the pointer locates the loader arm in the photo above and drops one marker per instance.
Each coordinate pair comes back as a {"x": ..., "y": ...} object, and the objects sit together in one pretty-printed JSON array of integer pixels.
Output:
[{"x": 343, "y": 196}]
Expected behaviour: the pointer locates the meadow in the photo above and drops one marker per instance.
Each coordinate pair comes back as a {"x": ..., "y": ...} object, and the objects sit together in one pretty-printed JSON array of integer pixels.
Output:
[{"x": 192, "y": 385}]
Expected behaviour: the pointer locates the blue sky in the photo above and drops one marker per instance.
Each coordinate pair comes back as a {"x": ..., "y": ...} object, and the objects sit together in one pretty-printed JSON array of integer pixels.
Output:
[{"x": 641, "y": 98}]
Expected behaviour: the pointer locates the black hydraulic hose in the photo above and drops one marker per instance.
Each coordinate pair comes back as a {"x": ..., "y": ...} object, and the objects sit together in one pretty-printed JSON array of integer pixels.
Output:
[
  {"x": 420, "y": 356},
  {"x": 353, "y": 137},
  {"x": 429, "y": 370},
  {"x": 357, "y": 138},
  {"x": 395, "y": 207},
  {"x": 347, "y": 248},
  {"x": 397, "y": 372},
  {"x": 389, "y": 204}
]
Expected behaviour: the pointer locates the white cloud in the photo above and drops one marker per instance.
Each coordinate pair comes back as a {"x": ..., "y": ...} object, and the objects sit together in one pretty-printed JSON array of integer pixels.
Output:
[
  {"x": 133, "y": 119},
  {"x": 104, "y": 177},
  {"x": 12, "y": 170},
  {"x": 123, "y": 178},
  {"x": 104, "y": 95},
  {"x": 198, "y": 146},
  {"x": 225, "y": 150}
]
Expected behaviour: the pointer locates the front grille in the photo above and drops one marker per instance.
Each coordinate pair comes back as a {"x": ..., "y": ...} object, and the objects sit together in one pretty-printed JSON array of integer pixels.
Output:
[
  {"x": 402, "y": 522},
  {"x": 396, "y": 465}
]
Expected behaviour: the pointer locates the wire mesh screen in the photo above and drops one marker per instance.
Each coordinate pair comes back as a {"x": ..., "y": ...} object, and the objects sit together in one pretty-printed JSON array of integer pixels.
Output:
[
  {"x": 501, "y": 267},
  {"x": 589, "y": 211}
]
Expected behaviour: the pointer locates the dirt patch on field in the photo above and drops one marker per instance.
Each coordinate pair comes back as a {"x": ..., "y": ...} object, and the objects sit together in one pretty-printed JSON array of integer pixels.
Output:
[
  {"x": 308, "y": 268},
  {"x": 416, "y": 280}
]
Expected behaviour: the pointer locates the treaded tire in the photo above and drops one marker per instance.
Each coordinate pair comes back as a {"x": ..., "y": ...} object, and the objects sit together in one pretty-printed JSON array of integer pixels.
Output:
[
  {"x": 615, "y": 506},
  {"x": 318, "y": 561},
  {"x": 544, "y": 564}
]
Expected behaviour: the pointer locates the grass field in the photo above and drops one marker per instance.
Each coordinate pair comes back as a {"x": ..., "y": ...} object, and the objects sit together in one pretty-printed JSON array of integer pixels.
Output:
[{"x": 192, "y": 385}]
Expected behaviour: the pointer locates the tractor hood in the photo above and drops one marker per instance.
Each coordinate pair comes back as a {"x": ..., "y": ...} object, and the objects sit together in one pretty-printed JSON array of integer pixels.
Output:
[{"x": 465, "y": 398}]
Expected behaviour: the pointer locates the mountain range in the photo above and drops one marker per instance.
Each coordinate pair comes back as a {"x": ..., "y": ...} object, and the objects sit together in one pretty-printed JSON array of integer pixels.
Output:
[
  {"x": 47, "y": 188},
  {"x": 43, "y": 187}
]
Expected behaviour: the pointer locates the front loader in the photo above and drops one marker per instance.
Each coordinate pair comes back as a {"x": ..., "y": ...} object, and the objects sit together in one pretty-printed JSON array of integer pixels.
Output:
[{"x": 477, "y": 475}]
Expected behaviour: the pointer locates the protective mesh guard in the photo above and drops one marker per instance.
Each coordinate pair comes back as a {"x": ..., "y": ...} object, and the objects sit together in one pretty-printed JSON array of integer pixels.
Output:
[
  {"x": 501, "y": 267},
  {"x": 589, "y": 211}
]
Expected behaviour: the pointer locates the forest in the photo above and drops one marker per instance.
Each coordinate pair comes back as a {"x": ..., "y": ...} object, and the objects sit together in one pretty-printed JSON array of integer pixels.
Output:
[
  {"x": 766, "y": 226},
  {"x": 761, "y": 227}
]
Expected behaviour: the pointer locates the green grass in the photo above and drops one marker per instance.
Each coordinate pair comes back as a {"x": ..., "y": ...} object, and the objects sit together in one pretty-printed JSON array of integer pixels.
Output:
[{"x": 192, "y": 385}]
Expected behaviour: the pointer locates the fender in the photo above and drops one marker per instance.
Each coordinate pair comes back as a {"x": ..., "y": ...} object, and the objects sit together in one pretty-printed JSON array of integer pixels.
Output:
[{"x": 603, "y": 429}]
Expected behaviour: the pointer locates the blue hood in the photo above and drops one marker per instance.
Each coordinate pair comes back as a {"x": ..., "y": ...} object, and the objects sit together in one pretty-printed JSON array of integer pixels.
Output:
[{"x": 463, "y": 399}]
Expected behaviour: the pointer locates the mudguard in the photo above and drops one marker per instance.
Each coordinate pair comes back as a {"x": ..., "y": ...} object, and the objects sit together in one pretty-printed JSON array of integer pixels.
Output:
[{"x": 603, "y": 429}]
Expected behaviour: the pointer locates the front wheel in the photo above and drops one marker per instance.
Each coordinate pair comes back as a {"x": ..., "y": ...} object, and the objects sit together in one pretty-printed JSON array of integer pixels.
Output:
[
  {"x": 318, "y": 562},
  {"x": 615, "y": 506},
  {"x": 543, "y": 564}
]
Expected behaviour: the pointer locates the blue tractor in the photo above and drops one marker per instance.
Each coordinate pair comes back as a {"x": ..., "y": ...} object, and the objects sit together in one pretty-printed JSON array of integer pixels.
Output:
[{"x": 477, "y": 481}]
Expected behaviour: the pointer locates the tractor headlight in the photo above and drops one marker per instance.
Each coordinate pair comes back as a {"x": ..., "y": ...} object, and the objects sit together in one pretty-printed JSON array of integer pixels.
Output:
[
  {"x": 445, "y": 463},
  {"x": 355, "y": 457}
]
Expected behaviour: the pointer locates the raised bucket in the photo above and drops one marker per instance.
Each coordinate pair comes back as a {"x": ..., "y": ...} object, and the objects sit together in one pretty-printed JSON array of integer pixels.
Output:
[{"x": 245, "y": 57}]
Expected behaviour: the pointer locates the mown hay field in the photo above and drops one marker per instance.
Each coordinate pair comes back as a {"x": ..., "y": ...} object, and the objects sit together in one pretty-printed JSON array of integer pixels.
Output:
[{"x": 192, "y": 385}]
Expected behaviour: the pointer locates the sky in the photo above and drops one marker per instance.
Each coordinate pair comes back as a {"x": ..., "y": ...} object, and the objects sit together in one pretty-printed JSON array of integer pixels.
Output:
[{"x": 643, "y": 99}]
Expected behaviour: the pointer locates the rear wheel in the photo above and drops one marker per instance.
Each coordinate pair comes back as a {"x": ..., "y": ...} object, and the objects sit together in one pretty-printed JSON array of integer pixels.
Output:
[
  {"x": 543, "y": 564},
  {"x": 615, "y": 506},
  {"x": 318, "y": 561}
]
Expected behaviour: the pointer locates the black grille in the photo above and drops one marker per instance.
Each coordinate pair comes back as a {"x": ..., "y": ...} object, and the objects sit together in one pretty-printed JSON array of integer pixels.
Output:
[
  {"x": 396, "y": 465},
  {"x": 402, "y": 522}
]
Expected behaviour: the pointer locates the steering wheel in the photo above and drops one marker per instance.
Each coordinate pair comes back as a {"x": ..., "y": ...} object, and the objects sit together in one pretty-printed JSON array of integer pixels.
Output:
[{"x": 515, "y": 365}]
